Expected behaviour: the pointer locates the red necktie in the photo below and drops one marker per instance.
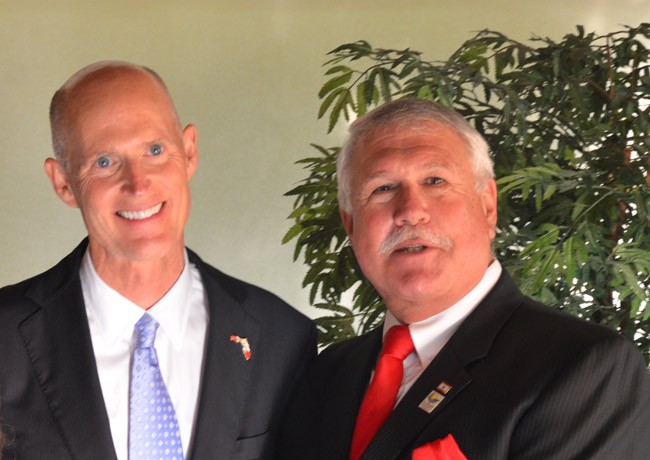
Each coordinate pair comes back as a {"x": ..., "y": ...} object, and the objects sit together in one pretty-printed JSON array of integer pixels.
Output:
[{"x": 381, "y": 395}]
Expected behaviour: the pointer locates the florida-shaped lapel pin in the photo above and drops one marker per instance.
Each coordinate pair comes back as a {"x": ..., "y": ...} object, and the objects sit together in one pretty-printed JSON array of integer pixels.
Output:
[{"x": 245, "y": 346}]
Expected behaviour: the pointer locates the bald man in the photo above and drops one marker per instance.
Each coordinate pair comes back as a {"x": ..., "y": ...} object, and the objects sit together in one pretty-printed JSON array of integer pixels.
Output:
[{"x": 225, "y": 355}]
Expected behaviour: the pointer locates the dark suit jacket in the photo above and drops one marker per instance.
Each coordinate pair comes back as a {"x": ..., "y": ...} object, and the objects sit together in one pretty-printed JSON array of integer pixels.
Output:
[
  {"x": 51, "y": 404},
  {"x": 527, "y": 382}
]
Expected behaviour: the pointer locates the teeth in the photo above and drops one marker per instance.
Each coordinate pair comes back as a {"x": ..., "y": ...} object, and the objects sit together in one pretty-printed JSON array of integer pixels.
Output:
[
  {"x": 417, "y": 248},
  {"x": 137, "y": 215}
]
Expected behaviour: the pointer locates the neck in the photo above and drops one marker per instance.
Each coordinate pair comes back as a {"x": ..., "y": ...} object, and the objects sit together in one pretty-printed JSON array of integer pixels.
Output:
[{"x": 143, "y": 282}]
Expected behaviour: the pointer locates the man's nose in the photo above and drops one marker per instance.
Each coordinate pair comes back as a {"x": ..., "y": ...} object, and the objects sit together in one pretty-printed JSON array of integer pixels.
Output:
[
  {"x": 134, "y": 175},
  {"x": 412, "y": 207}
]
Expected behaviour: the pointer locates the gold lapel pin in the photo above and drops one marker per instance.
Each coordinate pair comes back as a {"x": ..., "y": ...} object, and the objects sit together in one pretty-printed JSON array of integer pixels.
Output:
[
  {"x": 434, "y": 398},
  {"x": 432, "y": 401}
]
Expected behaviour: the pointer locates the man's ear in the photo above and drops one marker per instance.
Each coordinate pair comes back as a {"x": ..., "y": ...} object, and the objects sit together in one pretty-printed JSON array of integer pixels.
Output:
[
  {"x": 60, "y": 182},
  {"x": 489, "y": 200},
  {"x": 191, "y": 149},
  {"x": 347, "y": 222}
]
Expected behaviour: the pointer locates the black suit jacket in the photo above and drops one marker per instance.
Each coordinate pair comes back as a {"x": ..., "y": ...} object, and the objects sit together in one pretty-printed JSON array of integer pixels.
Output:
[
  {"x": 527, "y": 382},
  {"x": 51, "y": 404}
]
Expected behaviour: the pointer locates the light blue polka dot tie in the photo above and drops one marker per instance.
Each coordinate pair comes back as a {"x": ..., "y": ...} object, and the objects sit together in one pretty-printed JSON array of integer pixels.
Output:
[{"x": 153, "y": 428}]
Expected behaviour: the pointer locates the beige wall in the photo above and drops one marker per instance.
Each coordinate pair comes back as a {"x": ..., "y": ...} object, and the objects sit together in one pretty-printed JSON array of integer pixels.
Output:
[{"x": 247, "y": 74}]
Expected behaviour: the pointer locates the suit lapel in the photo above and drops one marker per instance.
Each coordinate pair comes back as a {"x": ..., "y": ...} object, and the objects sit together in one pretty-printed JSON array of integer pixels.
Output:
[
  {"x": 446, "y": 377},
  {"x": 57, "y": 339},
  {"x": 226, "y": 372},
  {"x": 441, "y": 381},
  {"x": 341, "y": 394}
]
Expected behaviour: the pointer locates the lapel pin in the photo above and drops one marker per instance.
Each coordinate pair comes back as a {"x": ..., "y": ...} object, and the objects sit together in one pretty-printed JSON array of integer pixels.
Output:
[
  {"x": 432, "y": 401},
  {"x": 245, "y": 346},
  {"x": 444, "y": 387}
]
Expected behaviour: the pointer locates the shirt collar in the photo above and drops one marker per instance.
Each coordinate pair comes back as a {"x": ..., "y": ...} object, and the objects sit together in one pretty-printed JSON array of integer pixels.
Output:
[
  {"x": 431, "y": 334},
  {"x": 116, "y": 315}
]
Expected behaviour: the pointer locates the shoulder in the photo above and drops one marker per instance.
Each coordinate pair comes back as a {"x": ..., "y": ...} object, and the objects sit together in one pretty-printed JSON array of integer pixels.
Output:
[
  {"x": 568, "y": 342},
  {"x": 40, "y": 289},
  {"x": 353, "y": 354},
  {"x": 507, "y": 316},
  {"x": 259, "y": 302},
  {"x": 541, "y": 342},
  {"x": 588, "y": 378},
  {"x": 346, "y": 347},
  {"x": 556, "y": 328}
]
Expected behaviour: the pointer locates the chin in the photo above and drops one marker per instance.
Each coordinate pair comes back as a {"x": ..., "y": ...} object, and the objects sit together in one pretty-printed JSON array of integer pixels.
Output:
[
  {"x": 151, "y": 249},
  {"x": 412, "y": 294},
  {"x": 420, "y": 287},
  {"x": 419, "y": 279}
]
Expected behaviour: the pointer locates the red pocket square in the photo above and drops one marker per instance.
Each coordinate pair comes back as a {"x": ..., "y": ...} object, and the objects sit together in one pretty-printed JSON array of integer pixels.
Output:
[{"x": 442, "y": 449}]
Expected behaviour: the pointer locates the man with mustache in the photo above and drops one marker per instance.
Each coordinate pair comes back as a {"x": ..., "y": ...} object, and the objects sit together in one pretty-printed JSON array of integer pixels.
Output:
[
  {"x": 132, "y": 347},
  {"x": 465, "y": 366}
]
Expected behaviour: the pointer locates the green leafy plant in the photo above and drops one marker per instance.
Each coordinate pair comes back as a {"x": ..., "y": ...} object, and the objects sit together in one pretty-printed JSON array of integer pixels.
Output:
[{"x": 567, "y": 123}]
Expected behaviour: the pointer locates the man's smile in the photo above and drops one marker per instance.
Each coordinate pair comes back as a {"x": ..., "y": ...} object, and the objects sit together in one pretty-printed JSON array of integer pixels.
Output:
[
  {"x": 414, "y": 248},
  {"x": 139, "y": 215}
]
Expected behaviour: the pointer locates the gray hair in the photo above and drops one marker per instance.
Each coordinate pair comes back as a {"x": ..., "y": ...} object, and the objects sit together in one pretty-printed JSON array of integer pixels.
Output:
[
  {"x": 411, "y": 114},
  {"x": 60, "y": 104}
]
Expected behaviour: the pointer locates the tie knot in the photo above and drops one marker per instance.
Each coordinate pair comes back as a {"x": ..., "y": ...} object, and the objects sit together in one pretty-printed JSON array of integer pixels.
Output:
[
  {"x": 398, "y": 342},
  {"x": 145, "y": 331}
]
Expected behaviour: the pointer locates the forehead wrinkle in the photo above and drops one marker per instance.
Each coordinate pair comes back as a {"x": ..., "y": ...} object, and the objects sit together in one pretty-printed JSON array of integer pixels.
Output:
[{"x": 135, "y": 144}]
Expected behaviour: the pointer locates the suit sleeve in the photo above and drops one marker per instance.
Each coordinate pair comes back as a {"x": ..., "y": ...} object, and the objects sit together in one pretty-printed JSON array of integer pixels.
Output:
[{"x": 598, "y": 407}]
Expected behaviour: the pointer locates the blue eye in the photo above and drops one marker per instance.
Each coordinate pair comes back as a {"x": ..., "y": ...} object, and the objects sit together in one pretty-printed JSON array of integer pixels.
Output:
[
  {"x": 103, "y": 162},
  {"x": 155, "y": 149}
]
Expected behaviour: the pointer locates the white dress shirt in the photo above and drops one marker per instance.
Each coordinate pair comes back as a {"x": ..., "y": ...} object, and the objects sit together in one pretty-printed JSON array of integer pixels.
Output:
[
  {"x": 183, "y": 317},
  {"x": 431, "y": 334}
]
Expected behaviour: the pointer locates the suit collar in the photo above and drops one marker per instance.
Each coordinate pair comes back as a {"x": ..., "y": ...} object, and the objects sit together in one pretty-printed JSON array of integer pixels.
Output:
[
  {"x": 432, "y": 334},
  {"x": 474, "y": 338},
  {"x": 408, "y": 419},
  {"x": 58, "y": 279},
  {"x": 223, "y": 394},
  {"x": 57, "y": 339},
  {"x": 447, "y": 375}
]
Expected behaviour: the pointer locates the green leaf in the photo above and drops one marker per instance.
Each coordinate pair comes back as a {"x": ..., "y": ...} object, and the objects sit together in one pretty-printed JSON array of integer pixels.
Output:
[
  {"x": 338, "y": 69},
  {"x": 329, "y": 100},
  {"x": 334, "y": 83},
  {"x": 362, "y": 102},
  {"x": 343, "y": 101}
]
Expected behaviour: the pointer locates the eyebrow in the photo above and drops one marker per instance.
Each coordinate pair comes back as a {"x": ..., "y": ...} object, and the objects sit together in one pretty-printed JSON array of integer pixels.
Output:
[{"x": 386, "y": 172}]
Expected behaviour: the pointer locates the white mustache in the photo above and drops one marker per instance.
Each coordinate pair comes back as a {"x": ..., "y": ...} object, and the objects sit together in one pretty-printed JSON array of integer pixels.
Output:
[{"x": 404, "y": 234}]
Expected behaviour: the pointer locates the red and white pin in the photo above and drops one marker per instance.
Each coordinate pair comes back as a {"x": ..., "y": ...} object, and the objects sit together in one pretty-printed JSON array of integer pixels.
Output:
[{"x": 245, "y": 346}]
